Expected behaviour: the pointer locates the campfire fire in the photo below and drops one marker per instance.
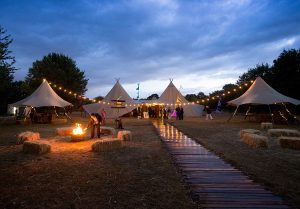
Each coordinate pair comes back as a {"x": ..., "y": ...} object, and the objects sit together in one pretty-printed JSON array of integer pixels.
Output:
[
  {"x": 78, "y": 130},
  {"x": 78, "y": 133}
]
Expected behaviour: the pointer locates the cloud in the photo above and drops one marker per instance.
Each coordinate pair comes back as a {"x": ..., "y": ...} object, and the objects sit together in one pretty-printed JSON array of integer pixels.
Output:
[{"x": 150, "y": 41}]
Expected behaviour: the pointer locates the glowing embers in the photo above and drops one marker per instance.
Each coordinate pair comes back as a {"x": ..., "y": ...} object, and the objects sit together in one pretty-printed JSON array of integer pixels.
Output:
[{"x": 78, "y": 134}]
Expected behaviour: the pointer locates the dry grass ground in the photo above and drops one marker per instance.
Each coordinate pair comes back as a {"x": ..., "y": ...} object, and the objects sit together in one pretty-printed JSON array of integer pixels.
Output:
[
  {"x": 139, "y": 175},
  {"x": 277, "y": 168}
]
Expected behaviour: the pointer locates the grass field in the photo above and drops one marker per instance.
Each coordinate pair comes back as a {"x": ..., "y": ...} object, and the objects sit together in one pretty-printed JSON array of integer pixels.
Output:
[
  {"x": 277, "y": 168},
  {"x": 140, "y": 175}
]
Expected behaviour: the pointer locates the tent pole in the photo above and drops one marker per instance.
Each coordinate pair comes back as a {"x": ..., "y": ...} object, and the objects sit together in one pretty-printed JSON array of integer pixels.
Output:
[
  {"x": 229, "y": 119},
  {"x": 271, "y": 114},
  {"x": 68, "y": 115}
]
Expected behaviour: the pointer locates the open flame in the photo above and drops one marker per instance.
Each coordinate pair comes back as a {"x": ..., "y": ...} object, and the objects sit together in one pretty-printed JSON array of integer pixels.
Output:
[{"x": 78, "y": 130}]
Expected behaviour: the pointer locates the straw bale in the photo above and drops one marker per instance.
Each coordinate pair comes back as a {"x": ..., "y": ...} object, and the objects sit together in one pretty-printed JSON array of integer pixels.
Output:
[
  {"x": 106, "y": 145},
  {"x": 64, "y": 131},
  {"x": 36, "y": 147},
  {"x": 289, "y": 142},
  {"x": 266, "y": 125},
  {"x": 251, "y": 131},
  {"x": 27, "y": 136},
  {"x": 107, "y": 130},
  {"x": 254, "y": 140},
  {"x": 283, "y": 132},
  {"x": 124, "y": 135}
]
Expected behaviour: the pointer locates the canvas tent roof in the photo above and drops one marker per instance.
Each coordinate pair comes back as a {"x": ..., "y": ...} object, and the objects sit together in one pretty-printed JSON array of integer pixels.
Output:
[
  {"x": 261, "y": 93},
  {"x": 116, "y": 93},
  {"x": 44, "y": 95},
  {"x": 172, "y": 95}
]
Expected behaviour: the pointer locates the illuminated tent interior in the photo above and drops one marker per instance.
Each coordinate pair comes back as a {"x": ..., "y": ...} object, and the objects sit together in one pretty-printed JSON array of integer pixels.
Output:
[
  {"x": 260, "y": 93},
  {"x": 116, "y": 103},
  {"x": 43, "y": 96}
]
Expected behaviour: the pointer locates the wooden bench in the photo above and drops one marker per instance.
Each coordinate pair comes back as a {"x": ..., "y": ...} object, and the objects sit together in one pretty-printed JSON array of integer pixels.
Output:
[
  {"x": 105, "y": 145},
  {"x": 289, "y": 142},
  {"x": 36, "y": 147}
]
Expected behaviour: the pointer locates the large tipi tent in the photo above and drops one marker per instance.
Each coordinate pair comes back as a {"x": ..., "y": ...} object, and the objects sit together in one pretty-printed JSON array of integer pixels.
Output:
[
  {"x": 116, "y": 93},
  {"x": 171, "y": 95},
  {"x": 261, "y": 93},
  {"x": 44, "y": 95}
]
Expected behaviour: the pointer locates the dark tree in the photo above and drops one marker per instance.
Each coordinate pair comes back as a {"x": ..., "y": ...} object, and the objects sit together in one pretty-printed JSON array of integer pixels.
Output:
[
  {"x": 6, "y": 71},
  {"x": 191, "y": 97},
  {"x": 153, "y": 96},
  {"x": 263, "y": 70},
  {"x": 61, "y": 70},
  {"x": 201, "y": 95},
  {"x": 286, "y": 73}
]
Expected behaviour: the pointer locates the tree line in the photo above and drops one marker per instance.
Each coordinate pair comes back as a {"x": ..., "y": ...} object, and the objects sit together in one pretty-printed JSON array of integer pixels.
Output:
[{"x": 54, "y": 67}]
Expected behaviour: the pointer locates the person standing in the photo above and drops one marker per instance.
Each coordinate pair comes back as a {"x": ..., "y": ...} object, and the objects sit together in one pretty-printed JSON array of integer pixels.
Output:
[
  {"x": 103, "y": 115},
  {"x": 208, "y": 113},
  {"x": 181, "y": 113},
  {"x": 94, "y": 123}
]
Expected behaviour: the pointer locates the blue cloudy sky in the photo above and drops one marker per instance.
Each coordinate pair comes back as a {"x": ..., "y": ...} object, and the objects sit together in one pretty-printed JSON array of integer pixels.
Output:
[{"x": 201, "y": 44}]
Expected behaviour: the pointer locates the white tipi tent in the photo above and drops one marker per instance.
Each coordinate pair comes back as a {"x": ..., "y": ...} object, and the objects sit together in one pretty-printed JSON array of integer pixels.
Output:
[
  {"x": 44, "y": 95},
  {"x": 171, "y": 95},
  {"x": 261, "y": 93},
  {"x": 116, "y": 93}
]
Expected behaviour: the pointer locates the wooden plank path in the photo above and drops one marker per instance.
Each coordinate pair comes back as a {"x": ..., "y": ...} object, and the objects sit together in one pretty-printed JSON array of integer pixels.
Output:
[{"x": 213, "y": 183}]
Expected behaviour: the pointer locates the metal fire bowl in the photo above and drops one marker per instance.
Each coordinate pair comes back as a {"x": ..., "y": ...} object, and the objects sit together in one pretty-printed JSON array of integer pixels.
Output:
[{"x": 78, "y": 138}]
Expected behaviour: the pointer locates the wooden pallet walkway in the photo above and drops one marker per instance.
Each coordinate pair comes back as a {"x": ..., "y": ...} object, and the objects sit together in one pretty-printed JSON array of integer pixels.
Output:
[{"x": 214, "y": 184}]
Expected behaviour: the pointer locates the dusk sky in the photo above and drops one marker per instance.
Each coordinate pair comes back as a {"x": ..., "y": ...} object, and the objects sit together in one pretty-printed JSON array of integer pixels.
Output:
[{"x": 201, "y": 44}]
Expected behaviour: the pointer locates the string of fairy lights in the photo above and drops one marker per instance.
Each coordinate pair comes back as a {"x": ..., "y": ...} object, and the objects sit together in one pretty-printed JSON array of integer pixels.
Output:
[{"x": 200, "y": 101}]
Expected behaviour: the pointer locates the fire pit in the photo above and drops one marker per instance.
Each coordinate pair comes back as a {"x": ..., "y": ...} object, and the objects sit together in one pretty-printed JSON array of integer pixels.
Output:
[{"x": 78, "y": 134}]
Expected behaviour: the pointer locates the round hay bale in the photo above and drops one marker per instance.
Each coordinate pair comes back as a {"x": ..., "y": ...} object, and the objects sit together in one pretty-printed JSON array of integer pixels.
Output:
[
  {"x": 251, "y": 131},
  {"x": 27, "y": 136},
  {"x": 64, "y": 131},
  {"x": 36, "y": 147},
  {"x": 255, "y": 140},
  {"x": 105, "y": 145},
  {"x": 124, "y": 135},
  {"x": 266, "y": 125},
  {"x": 107, "y": 130},
  {"x": 289, "y": 142},
  {"x": 283, "y": 132}
]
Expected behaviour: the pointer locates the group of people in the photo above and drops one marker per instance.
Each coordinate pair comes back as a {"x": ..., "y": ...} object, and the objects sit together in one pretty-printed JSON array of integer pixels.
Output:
[{"x": 177, "y": 113}]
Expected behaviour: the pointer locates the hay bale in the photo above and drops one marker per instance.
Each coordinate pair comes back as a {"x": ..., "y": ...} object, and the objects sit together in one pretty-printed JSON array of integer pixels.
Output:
[
  {"x": 289, "y": 142},
  {"x": 64, "y": 131},
  {"x": 36, "y": 147},
  {"x": 105, "y": 145},
  {"x": 255, "y": 140},
  {"x": 283, "y": 132},
  {"x": 107, "y": 130},
  {"x": 27, "y": 136},
  {"x": 266, "y": 125},
  {"x": 124, "y": 135},
  {"x": 251, "y": 131}
]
